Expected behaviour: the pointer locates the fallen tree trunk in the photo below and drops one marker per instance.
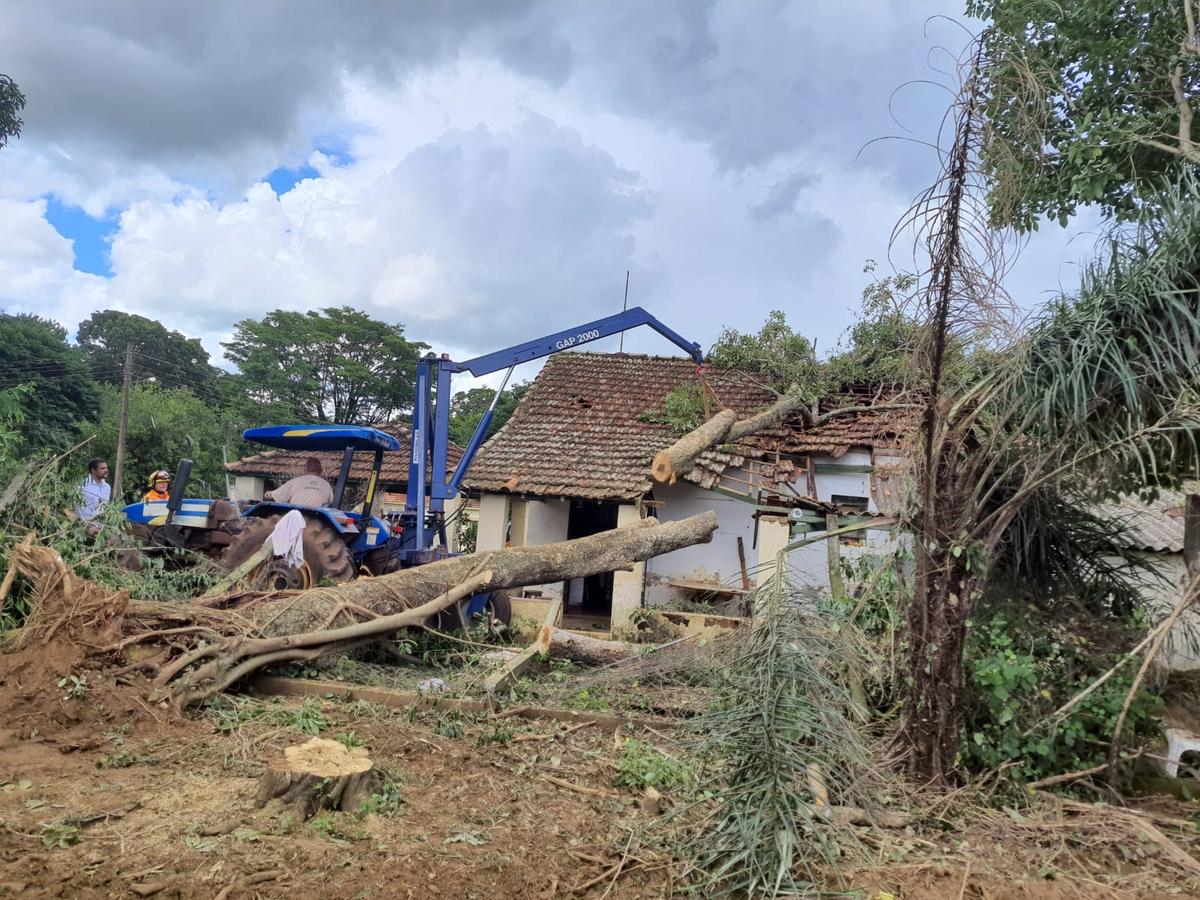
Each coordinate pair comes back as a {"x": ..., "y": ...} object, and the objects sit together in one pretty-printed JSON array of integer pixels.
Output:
[
  {"x": 725, "y": 428},
  {"x": 513, "y": 567},
  {"x": 581, "y": 648},
  {"x": 208, "y": 647},
  {"x": 681, "y": 456}
]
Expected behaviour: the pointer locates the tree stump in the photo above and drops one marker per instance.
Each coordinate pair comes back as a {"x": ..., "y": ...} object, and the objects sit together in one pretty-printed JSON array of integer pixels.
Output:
[{"x": 319, "y": 774}]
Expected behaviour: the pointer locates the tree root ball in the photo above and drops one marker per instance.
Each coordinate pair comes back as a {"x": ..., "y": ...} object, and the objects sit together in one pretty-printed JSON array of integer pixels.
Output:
[{"x": 319, "y": 774}]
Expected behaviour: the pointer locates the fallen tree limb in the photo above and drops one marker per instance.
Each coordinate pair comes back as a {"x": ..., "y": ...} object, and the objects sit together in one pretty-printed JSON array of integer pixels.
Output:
[
  {"x": 211, "y": 646},
  {"x": 508, "y": 672},
  {"x": 725, "y": 428},
  {"x": 580, "y": 648}
]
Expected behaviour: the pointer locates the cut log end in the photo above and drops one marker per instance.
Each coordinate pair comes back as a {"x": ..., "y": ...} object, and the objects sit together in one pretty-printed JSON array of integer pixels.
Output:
[
  {"x": 318, "y": 774},
  {"x": 662, "y": 469}
]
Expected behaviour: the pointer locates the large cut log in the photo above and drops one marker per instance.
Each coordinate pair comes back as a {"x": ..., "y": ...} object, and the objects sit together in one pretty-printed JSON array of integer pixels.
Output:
[
  {"x": 511, "y": 568},
  {"x": 581, "y": 648},
  {"x": 301, "y": 628},
  {"x": 681, "y": 456},
  {"x": 319, "y": 774}
]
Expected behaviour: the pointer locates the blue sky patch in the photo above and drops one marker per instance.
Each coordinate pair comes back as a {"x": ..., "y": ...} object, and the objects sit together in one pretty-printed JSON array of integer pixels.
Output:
[
  {"x": 284, "y": 179},
  {"x": 91, "y": 236}
]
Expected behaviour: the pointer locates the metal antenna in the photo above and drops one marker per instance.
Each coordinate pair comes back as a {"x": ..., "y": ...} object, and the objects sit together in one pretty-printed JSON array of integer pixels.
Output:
[{"x": 624, "y": 308}]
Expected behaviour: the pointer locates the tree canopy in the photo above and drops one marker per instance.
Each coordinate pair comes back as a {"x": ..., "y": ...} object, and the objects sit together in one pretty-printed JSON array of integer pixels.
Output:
[
  {"x": 782, "y": 357},
  {"x": 166, "y": 425},
  {"x": 1086, "y": 102},
  {"x": 63, "y": 395},
  {"x": 468, "y": 407},
  {"x": 337, "y": 364},
  {"x": 12, "y": 101},
  {"x": 168, "y": 356}
]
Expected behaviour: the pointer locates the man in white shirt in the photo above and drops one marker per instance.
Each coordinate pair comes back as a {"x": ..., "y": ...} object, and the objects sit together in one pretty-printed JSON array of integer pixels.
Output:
[
  {"x": 96, "y": 493},
  {"x": 309, "y": 489}
]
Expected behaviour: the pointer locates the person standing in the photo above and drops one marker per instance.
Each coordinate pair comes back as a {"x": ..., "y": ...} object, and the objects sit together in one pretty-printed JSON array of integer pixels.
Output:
[{"x": 96, "y": 493}]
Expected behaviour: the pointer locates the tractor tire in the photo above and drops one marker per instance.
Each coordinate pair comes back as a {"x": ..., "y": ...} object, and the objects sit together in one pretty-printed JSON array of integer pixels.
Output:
[
  {"x": 325, "y": 555},
  {"x": 498, "y": 610}
]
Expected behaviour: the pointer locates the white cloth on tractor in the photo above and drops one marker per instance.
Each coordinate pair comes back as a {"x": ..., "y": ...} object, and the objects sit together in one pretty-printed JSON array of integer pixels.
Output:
[{"x": 287, "y": 540}]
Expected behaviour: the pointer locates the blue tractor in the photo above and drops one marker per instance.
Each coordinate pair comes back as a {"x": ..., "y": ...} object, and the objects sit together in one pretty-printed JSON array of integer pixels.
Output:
[{"x": 340, "y": 543}]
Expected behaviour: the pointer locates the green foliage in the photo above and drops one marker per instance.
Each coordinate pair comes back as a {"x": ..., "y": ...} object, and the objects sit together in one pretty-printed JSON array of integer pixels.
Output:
[
  {"x": 63, "y": 396},
  {"x": 500, "y": 734},
  {"x": 229, "y": 714},
  {"x": 350, "y": 739},
  {"x": 40, "y": 506},
  {"x": 12, "y": 101},
  {"x": 779, "y": 355},
  {"x": 1108, "y": 379},
  {"x": 337, "y": 364},
  {"x": 167, "y": 356},
  {"x": 1075, "y": 94},
  {"x": 60, "y": 833},
  {"x": 384, "y": 802},
  {"x": 160, "y": 423},
  {"x": 75, "y": 687},
  {"x": 12, "y": 416},
  {"x": 642, "y": 765},
  {"x": 776, "y": 710},
  {"x": 878, "y": 346},
  {"x": 1020, "y": 667},
  {"x": 683, "y": 409},
  {"x": 449, "y": 726},
  {"x": 468, "y": 407}
]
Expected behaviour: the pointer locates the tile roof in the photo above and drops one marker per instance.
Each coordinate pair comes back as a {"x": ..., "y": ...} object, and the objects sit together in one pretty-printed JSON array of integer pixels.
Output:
[
  {"x": 280, "y": 465},
  {"x": 582, "y": 431}
]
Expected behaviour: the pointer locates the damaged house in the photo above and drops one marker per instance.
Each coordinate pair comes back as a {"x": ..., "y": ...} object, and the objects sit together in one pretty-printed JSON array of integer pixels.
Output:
[{"x": 574, "y": 460}]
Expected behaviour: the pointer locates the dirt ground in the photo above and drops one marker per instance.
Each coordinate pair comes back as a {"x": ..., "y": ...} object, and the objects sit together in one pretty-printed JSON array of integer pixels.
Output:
[{"x": 104, "y": 795}]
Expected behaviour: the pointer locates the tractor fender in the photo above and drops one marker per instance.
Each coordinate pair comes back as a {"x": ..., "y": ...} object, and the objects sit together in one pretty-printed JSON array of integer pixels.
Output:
[{"x": 336, "y": 519}]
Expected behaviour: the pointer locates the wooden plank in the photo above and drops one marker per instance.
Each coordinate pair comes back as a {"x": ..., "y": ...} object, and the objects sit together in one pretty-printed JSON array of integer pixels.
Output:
[
  {"x": 508, "y": 672},
  {"x": 741, "y": 545},
  {"x": 833, "y": 552}
]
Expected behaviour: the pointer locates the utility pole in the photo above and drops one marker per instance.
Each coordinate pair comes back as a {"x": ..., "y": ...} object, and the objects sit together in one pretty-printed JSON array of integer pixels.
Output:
[{"x": 126, "y": 381}]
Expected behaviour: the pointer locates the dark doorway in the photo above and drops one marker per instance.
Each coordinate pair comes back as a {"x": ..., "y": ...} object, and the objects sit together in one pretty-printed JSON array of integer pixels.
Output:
[{"x": 591, "y": 596}]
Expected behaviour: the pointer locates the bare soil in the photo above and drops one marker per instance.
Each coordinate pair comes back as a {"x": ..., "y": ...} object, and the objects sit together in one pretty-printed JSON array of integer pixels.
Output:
[{"x": 477, "y": 815}]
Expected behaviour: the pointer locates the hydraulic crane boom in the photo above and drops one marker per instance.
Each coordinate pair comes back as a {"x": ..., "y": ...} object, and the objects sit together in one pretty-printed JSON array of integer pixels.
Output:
[{"x": 431, "y": 416}]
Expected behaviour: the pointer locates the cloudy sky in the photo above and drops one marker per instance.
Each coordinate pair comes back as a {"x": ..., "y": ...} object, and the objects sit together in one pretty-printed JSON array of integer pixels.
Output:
[{"x": 483, "y": 171}]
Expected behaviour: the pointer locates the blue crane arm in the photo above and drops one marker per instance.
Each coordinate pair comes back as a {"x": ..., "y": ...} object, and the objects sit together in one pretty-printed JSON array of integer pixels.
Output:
[
  {"x": 431, "y": 419},
  {"x": 576, "y": 337}
]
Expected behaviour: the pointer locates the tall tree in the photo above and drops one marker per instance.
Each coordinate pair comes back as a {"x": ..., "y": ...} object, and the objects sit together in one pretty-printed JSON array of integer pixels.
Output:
[
  {"x": 166, "y": 425},
  {"x": 1086, "y": 102},
  {"x": 781, "y": 357},
  {"x": 12, "y": 101},
  {"x": 63, "y": 397},
  {"x": 337, "y": 364},
  {"x": 468, "y": 407},
  {"x": 167, "y": 356}
]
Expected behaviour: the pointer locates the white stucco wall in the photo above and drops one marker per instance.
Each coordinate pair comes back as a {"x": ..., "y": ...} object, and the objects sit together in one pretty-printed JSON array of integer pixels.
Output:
[
  {"x": 248, "y": 487},
  {"x": 493, "y": 522},
  {"x": 544, "y": 522},
  {"x": 715, "y": 561},
  {"x": 628, "y": 586}
]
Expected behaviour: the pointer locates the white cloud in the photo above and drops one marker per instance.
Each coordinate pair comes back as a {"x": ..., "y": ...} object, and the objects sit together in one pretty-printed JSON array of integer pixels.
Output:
[{"x": 36, "y": 268}]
